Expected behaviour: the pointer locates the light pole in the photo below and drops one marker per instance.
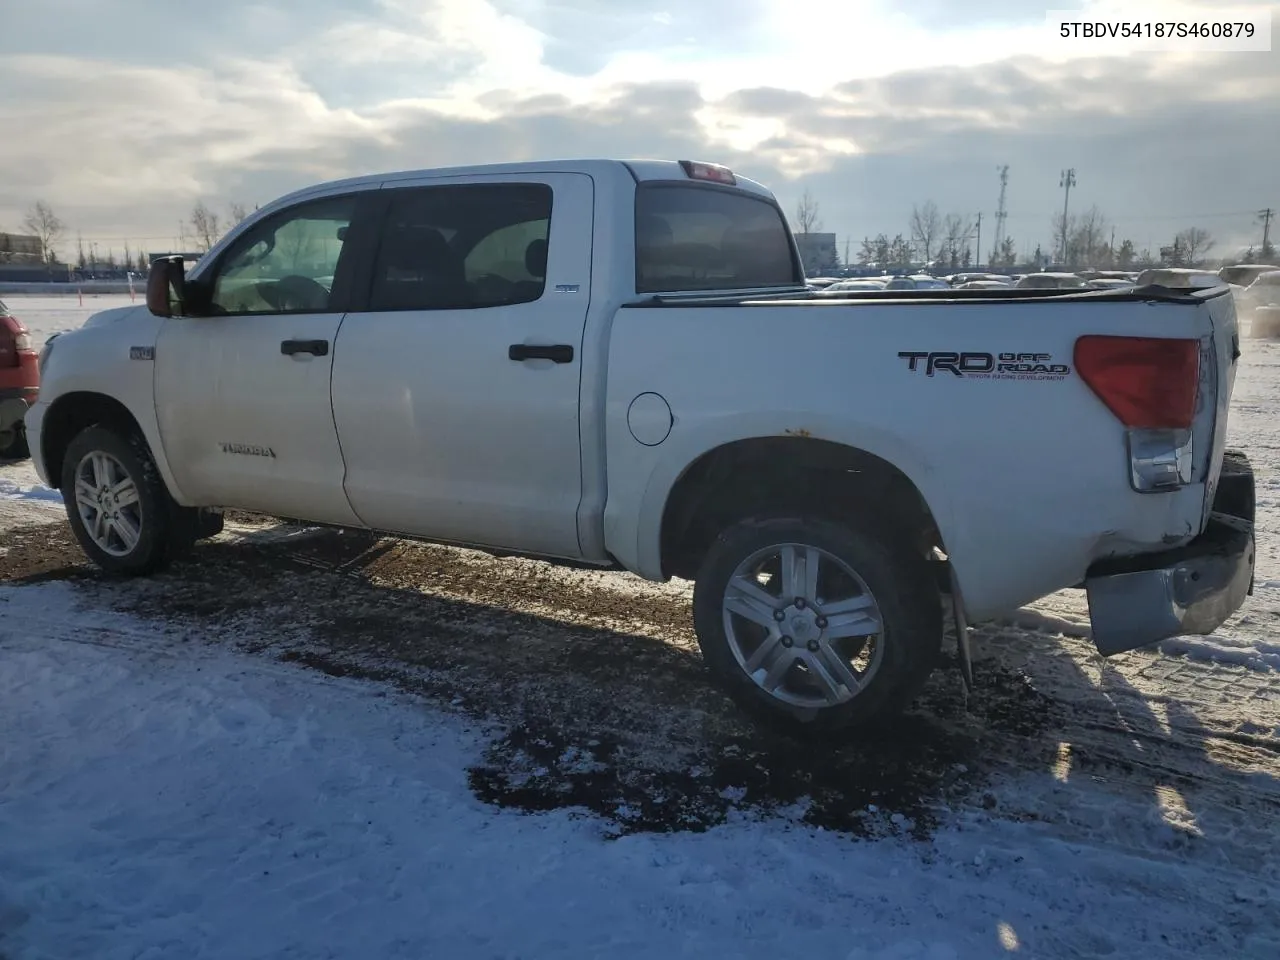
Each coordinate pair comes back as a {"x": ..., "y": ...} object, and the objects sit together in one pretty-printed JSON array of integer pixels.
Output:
[{"x": 1067, "y": 181}]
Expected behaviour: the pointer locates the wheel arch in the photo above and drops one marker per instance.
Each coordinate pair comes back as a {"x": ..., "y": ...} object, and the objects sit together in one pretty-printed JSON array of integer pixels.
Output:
[
  {"x": 812, "y": 476},
  {"x": 76, "y": 410}
]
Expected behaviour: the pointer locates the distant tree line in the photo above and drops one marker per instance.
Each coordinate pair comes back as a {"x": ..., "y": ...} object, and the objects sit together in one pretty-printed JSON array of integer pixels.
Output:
[
  {"x": 1085, "y": 240},
  {"x": 41, "y": 222}
]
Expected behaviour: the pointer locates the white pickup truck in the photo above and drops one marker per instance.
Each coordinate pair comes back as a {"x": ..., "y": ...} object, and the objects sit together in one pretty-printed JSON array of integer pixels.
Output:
[{"x": 619, "y": 363}]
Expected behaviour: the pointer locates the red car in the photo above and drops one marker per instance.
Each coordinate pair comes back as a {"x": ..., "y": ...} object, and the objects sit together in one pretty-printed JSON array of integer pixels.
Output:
[{"x": 19, "y": 383}]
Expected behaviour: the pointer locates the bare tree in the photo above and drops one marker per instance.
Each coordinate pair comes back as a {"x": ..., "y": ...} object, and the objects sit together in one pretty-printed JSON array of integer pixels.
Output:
[
  {"x": 956, "y": 231},
  {"x": 1007, "y": 255},
  {"x": 926, "y": 224},
  {"x": 205, "y": 224},
  {"x": 807, "y": 214},
  {"x": 1063, "y": 232},
  {"x": 1195, "y": 243},
  {"x": 238, "y": 212},
  {"x": 900, "y": 253},
  {"x": 47, "y": 225},
  {"x": 1086, "y": 243}
]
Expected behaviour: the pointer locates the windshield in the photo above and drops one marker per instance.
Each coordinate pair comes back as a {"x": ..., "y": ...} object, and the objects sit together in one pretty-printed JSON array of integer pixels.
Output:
[{"x": 692, "y": 237}]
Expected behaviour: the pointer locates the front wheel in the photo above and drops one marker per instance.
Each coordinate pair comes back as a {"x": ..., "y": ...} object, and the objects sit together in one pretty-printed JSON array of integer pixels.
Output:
[
  {"x": 814, "y": 626},
  {"x": 117, "y": 503}
]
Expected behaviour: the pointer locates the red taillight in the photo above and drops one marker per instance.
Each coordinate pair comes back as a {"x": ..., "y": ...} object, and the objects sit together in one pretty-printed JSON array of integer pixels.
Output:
[
  {"x": 1149, "y": 383},
  {"x": 13, "y": 337},
  {"x": 697, "y": 170}
]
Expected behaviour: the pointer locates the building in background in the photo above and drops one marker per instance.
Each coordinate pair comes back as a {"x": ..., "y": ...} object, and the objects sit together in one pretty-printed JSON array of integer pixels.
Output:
[
  {"x": 20, "y": 248},
  {"x": 818, "y": 253}
]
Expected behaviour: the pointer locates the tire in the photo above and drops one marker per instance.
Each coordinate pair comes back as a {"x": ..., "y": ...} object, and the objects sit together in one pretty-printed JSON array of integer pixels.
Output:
[
  {"x": 901, "y": 655},
  {"x": 13, "y": 444},
  {"x": 163, "y": 529}
]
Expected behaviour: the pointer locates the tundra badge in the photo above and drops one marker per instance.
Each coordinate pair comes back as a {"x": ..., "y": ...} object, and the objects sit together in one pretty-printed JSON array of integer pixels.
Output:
[{"x": 248, "y": 450}]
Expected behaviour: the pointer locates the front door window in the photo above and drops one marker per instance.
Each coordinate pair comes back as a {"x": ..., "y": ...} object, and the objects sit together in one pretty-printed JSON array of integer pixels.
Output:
[{"x": 286, "y": 264}]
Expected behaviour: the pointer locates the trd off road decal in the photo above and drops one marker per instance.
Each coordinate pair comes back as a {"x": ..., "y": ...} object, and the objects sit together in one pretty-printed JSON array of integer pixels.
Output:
[{"x": 975, "y": 365}]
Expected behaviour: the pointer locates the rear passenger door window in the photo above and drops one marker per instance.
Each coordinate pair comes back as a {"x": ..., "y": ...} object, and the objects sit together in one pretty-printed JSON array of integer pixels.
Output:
[{"x": 463, "y": 246}]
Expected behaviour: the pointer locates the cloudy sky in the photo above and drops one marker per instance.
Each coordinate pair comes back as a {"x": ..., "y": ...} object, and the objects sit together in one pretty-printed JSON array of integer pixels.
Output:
[{"x": 123, "y": 113}]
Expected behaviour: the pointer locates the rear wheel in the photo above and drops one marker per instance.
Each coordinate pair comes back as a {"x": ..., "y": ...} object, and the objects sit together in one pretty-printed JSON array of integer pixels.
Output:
[
  {"x": 815, "y": 626},
  {"x": 117, "y": 503}
]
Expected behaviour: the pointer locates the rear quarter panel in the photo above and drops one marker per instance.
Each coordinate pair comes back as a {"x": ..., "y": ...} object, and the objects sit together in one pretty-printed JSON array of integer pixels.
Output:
[{"x": 1026, "y": 475}]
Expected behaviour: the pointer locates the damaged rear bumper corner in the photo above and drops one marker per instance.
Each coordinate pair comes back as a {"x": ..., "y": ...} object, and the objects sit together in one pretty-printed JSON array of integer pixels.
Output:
[{"x": 1190, "y": 590}]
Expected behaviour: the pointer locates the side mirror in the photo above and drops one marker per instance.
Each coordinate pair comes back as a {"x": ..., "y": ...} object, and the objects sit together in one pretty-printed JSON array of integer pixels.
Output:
[{"x": 165, "y": 286}]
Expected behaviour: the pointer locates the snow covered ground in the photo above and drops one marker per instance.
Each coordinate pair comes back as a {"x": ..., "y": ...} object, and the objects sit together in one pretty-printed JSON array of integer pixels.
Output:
[{"x": 302, "y": 745}]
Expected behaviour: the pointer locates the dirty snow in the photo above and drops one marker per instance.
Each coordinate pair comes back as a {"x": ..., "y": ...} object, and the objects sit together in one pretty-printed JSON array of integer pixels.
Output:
[{"x": 165, "y": 794}]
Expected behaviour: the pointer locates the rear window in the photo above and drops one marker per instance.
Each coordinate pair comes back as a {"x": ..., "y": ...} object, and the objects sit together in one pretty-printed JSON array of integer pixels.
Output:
[{"x": 694, "y": 237}]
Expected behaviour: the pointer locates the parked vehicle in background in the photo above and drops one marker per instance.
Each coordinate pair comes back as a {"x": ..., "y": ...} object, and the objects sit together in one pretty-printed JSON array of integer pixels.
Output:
[
  {"x": 1050, "y": 281},
  {"x": 593, "y": 361},
  {"x": 821, "y": 283},
  {"x": 1243, "y": 274},
  {"x": 983, "y": 285},
  {"x": 1108, "y": 283},
  {"x": 1130, "y": 275},
  {"x": 917, "y": 281},
  {"x": 1265, "y": 322},
  {"x": 1180, "y": 278},
  {"x": 1263, "y": 292},
  {"x": 846, "y": 287},
  {"x": 19, "y": 383},
  {"x": 925, "y": 282},
  {"x": 960, "y": 278}
]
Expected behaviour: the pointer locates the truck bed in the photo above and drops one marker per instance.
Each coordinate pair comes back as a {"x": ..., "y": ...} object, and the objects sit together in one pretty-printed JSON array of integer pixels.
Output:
[
  {"x": 1025, "y": 469},
  {"x": 1152, "y": 294}
]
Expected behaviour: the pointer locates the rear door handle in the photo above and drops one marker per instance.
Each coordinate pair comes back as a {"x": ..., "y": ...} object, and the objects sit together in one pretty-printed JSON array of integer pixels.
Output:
[
  {"x": 318, "y": 348},
  {"x": 556, "y": 353}
]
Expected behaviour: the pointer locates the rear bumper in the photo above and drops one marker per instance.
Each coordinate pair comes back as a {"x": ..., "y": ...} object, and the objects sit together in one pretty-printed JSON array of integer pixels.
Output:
[{"x": 1191, "y": 590}]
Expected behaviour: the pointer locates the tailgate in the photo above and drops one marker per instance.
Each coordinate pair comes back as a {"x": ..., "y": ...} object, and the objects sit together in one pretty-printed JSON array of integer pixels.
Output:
[{"x": 1223, "y": 360}]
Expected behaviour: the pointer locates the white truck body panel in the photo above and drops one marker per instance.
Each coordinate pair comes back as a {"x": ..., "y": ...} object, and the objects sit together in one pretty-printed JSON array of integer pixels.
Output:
[
  {"x": 988, "y": 455},
  {"x": 98, "y": 361},
  {"x": 503, "y": 468},
  {"x": 417, "y": 422}
]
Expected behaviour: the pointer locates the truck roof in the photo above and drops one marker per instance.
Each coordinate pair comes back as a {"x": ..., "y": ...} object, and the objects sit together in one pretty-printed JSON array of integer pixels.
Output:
[{"x": 640, "y": 170}]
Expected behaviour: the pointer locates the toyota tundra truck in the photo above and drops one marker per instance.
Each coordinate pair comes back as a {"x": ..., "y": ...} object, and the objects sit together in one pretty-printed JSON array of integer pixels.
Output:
[{"x": 619, "y": 363}]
